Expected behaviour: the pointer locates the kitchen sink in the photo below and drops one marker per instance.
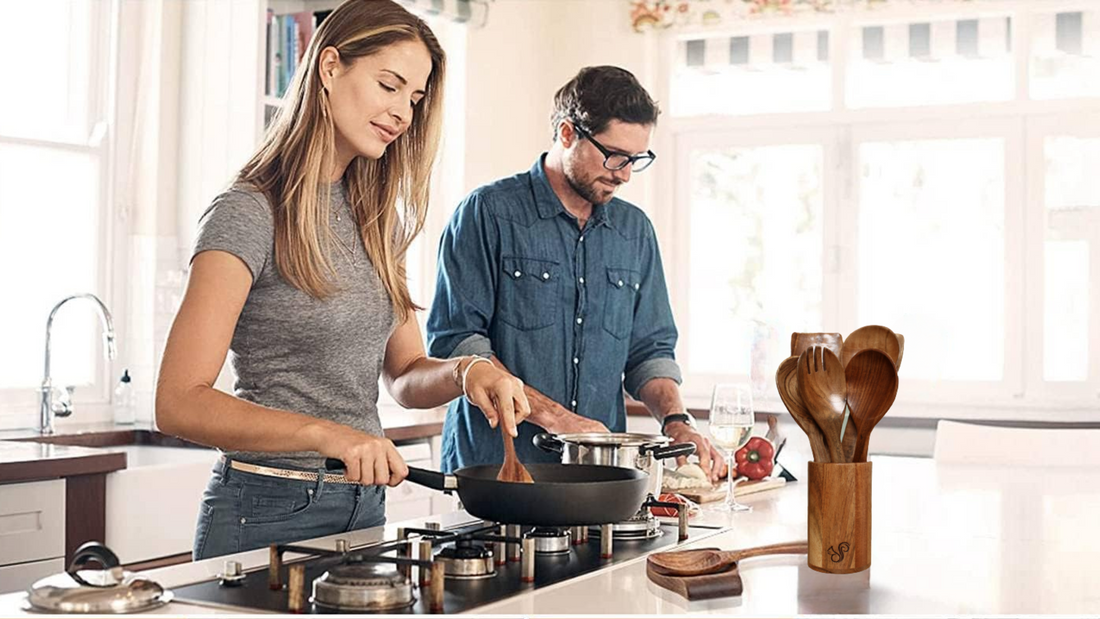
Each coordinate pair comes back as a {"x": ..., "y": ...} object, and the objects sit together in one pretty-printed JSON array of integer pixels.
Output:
[{"x": 152, "y": 504}]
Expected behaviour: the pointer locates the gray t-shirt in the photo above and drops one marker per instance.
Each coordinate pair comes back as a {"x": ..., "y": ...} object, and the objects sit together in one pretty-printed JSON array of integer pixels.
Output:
[{"x": 321, "y": 358}]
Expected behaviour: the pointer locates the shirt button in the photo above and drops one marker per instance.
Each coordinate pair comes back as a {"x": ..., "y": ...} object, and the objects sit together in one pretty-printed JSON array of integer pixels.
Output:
[
  {"x": 620, "y": 283},
  {"x": 580, "y": 320},
  {"x": 635, "y": 286},
  {"x": 576, "y": 360},
  {"x": 574, "y": 403},
  {"x": 517, "y": 273},
  {"x": 582, "y": 238},
  {"x": 582, "y": 280},
  {"x": 546, "y": 276}
]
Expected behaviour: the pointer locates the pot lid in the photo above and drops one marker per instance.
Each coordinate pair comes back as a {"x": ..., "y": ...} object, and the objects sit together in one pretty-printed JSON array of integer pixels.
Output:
[
  {"x": 617, "y": 439},
  {"x": 110, "y": 590}
]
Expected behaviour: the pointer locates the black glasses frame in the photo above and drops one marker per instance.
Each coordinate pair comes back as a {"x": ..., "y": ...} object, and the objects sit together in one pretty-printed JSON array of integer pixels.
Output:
[{"x": 647, "y": 158}]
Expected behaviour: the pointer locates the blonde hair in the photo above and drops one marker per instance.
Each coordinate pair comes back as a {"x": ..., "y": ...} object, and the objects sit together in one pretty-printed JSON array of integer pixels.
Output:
[{"x": 388, "y": 196}]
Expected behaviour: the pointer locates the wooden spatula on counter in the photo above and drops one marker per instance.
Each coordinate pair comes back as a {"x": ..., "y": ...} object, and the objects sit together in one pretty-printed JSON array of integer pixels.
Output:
[
  {"x": 512, "y": 470},
  {"x": 787, "y": 384},
  {"x": 823, "y": 389},
  {"x": 872, "y": 380},
  {"x": 711, "y": 560}
]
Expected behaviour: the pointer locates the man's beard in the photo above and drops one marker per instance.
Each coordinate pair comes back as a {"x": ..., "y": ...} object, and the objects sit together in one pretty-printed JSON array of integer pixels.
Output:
[{"x": 587, "y": 190}]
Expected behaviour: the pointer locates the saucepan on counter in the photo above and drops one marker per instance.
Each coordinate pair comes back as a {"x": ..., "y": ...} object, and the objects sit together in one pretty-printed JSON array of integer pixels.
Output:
[
  {"x": 561, "y": 495},
  {"x": 644, "y": 452}
]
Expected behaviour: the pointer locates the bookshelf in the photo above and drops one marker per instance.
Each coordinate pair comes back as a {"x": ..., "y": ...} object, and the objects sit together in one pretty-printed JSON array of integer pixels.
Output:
[{"x": 288, "y": 26}]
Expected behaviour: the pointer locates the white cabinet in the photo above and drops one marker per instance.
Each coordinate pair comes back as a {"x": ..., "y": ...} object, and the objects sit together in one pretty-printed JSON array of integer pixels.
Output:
[
  {"x": 32, "y": 531},
  {"x": 20, "y": 577},
  {"x": 409, "y": 500}
]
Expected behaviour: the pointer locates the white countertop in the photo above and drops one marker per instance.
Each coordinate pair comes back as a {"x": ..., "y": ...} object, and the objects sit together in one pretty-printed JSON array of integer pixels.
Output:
[{"x": 947, "y": 540}]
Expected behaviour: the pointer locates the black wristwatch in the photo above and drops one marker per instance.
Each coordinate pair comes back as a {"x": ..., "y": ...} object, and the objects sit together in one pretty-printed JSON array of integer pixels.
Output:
[{"x": 684, "y": 417}]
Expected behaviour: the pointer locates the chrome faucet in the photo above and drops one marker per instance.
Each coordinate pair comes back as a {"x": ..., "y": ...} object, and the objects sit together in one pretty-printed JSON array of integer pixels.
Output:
[{"x": 63, "y": 405}]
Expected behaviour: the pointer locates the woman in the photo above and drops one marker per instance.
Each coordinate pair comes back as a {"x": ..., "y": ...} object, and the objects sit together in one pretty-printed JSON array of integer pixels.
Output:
[{"x": 298, "y": 270}]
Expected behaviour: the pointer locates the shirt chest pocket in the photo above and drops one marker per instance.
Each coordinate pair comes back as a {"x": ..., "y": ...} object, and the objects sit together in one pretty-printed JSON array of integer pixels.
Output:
[
  {"x": 623, "y": 286},
  {"x": 529, "y": 293}
]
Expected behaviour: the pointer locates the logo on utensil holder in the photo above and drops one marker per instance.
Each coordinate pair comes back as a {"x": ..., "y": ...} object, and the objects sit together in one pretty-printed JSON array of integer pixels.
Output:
[{"x": 837, "y": 557}]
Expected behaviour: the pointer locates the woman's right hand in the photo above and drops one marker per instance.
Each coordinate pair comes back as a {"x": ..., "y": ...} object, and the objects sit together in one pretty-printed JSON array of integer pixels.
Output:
[{"x": 369, "y": 460}]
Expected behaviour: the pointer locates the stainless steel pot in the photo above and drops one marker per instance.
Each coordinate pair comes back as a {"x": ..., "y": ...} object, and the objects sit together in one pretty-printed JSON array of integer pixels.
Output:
[
  {"x": 106, "y": 591},
  {"x": 645, "y": 452}
]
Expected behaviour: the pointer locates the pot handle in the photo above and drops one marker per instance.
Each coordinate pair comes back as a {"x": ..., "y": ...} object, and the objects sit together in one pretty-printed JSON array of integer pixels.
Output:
[
  {"x": 548, "y": 442},
  {"x": 432, "y": 479},
  {"x": 672, "y": 451},
  {"x": 93, "y": 551}
]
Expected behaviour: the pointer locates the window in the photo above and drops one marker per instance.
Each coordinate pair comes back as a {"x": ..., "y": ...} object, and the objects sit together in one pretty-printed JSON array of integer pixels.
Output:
[
  {"x": 931, "y": 192},
  {"x": 53, "y": 188}
]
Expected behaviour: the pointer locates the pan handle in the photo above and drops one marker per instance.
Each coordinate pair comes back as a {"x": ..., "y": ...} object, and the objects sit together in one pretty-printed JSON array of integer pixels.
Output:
[
  {"x": 432, "y": 479},
  {"x": 672, "y": 451},
  {"x": 548, "y": 442}
]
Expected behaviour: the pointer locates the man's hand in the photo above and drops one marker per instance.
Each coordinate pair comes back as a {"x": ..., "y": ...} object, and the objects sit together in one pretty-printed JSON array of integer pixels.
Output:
[{"x": 711, "y": 459}]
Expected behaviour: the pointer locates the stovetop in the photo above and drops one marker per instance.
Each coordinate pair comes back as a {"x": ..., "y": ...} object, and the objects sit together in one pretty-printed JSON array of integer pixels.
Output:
[{"x": 420, "y": 586}]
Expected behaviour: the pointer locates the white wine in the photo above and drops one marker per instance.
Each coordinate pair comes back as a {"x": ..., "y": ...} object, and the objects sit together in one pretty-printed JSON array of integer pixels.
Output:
[{"x": 730, "y": 436}]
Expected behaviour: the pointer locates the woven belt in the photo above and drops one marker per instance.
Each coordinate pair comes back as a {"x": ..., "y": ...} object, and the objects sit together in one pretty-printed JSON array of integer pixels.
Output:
[{"x": 270, "y": 471}]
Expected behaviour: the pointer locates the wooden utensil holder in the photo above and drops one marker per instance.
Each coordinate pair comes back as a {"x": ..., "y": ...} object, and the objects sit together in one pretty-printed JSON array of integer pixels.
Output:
[{"x": 839, "y": 517}]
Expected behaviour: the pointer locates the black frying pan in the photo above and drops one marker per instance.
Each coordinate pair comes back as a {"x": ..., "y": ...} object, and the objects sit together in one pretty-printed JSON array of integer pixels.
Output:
[{"x": 562, "y": 495}]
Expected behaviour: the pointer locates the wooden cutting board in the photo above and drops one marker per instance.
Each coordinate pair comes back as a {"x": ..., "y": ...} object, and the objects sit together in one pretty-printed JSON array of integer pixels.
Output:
[{"x": 718, "y": 492}]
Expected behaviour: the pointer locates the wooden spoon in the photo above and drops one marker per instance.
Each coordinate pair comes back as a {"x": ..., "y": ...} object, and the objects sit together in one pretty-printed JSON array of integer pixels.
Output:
[
  {"x": 823, "y": 389},
  {"x": 872, "y": 381},
  {"x": 711, "y": 560},
  {"x": 871, "y": 336},
  {"x": 512, "y": 470},
  {"x": 802, "y": 341},
  {"x": 786, "y": 382}
]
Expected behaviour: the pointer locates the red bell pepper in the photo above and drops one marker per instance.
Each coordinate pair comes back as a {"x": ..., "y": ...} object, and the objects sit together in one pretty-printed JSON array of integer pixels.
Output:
[{"x": 756, "y": 459}]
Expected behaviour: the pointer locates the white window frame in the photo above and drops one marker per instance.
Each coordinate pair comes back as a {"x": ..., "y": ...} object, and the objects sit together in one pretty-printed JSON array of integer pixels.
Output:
[
  {"x": 19, "y": 406},
  {"x": 1021, "y": 122}
]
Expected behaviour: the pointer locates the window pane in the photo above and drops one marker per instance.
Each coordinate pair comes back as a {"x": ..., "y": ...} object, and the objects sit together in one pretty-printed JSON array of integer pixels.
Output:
[
  {"x": 930, "y": 63},
  {"x": 1071, "y": 180},
  {"x": 762, "y": 73},
  {"x": 931, "y": 253},
  {"x": 48, "y": 240},
  {"x": 1066, "y": 311},
  {"x": 1065, "y": 55},
  {"x": 763, "y": 206},
  {"x": 48, "y": 94}
]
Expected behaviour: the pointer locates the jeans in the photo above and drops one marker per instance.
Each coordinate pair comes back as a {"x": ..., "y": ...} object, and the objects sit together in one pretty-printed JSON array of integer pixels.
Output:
[{"x": 243, "y": 511}]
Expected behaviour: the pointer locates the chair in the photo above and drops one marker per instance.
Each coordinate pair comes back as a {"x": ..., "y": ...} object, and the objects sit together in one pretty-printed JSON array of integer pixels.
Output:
[{"x": 969, "y": 443}]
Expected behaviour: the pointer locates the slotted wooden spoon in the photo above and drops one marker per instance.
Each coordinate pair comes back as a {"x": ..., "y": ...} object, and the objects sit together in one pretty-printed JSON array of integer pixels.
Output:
[
  {"x": 872, "y": 380},
  {"x": 823, "y": 389},
  {"x": 786, "y": 382},
  {"x": 711, "y": 560},
  {"x": 871, "y": 336},
  {"x": 512, "y": 470}
]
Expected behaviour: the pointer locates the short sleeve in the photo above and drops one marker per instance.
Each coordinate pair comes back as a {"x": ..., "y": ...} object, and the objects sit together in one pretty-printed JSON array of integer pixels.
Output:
[{"x": 239, "y": 223}]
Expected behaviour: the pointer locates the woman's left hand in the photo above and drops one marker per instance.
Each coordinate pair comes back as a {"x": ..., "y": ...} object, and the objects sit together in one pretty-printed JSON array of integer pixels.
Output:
[{"x": 499, "y": 395}]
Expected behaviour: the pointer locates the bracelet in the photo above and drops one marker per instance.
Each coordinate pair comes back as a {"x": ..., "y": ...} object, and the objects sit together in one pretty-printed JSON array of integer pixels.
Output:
[{"x": 466, "y": 374}]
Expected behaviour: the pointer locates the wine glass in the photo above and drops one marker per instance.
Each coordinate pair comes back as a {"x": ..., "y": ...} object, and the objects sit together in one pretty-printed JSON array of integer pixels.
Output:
[{"x": 731, "y": 421}]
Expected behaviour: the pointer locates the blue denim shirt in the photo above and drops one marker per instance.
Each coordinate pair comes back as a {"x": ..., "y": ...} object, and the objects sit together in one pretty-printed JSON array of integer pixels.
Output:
[{"x": 576, "y": 314}]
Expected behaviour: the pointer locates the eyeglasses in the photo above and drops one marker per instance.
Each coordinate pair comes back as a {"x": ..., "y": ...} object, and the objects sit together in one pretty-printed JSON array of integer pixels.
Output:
[{"x": 616, "y": 161}]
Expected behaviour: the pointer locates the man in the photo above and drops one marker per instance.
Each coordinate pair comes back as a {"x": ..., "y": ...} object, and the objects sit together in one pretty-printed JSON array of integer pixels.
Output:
[{"x": 554, "y": 279}]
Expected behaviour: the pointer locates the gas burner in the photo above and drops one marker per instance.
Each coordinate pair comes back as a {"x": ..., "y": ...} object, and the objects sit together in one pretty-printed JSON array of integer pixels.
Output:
[
  {"x": 549, "y": 540},
  {"x": 642, "y": 526},
  {"x": 363, "y": 587},
  {"x": 467, "y": 560}
]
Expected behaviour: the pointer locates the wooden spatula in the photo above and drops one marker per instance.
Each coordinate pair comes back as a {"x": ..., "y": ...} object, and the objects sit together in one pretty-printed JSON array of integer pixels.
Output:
[
  {"x": 512, "y": 470},
  {"x": 711, "y": 560},
  {"x": 901, "y": 348},
  {"x": 787, "y": 384},
  {"x": 871, "y": 336},
  {"x": 802, "y": 341},
  {"x": 823, "y": 389},
  {"x": 872, "y": 380}
]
